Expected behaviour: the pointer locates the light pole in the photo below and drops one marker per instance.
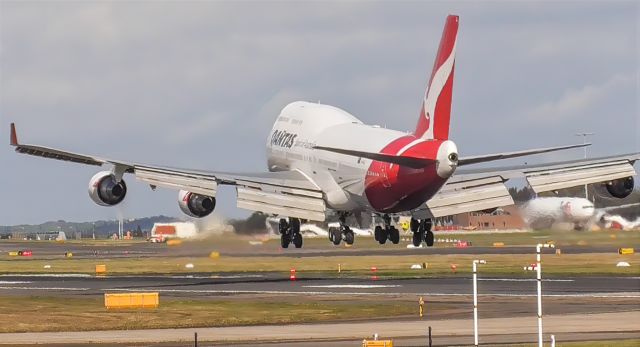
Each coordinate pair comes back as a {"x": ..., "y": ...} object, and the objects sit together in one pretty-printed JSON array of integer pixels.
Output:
[
  {"x": 475, "y": 300},
  {"x": 584, "y": 141},
  {"x": 539, "y": 278}
]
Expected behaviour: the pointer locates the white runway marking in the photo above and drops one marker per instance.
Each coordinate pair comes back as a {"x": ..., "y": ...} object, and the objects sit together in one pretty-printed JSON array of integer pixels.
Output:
[
  {"x": 521, "y": 280},
  {"x": 45, "y": 288},
  {"x": 14, "y": 282},
  {"x": 355, "y": 286},
  {"x": 47, "y": 275},
  {"x": 285, "y": 292}
]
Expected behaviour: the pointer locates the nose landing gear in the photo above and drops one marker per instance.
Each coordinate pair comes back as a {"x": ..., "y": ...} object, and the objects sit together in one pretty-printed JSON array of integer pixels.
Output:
[{"x": 290, "y": 232}]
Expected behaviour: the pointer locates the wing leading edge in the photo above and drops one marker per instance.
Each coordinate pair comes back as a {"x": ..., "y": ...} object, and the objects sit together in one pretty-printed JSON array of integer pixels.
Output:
[
  {"x": 479, "y": 189},
  {"x": 290, "y": 193}
]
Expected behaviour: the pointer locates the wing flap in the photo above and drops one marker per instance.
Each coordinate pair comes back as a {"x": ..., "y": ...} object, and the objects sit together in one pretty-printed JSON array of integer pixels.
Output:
[
  {"x": 281, "y": 200},
  {"x": 469, "y": 196},
  {"x": 196, "y": 183},
  {"x": 554, "y": 179}
]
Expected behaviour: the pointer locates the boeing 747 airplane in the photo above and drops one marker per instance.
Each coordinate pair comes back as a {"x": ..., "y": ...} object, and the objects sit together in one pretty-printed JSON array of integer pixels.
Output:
[{"x": 322, "y": 158}]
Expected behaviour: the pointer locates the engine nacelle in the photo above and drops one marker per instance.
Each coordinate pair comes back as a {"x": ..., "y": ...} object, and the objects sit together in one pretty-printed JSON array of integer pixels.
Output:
[
  {"x": 620, "y": 188},
  {"x": 196, "y": 205},
  {"x": 105, "y": 190}
]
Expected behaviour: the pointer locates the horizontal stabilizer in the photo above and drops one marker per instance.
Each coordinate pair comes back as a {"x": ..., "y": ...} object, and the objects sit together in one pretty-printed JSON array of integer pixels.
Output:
[
  {"x": 412, "y": 162},
  {"x": 498, "y": 156}
]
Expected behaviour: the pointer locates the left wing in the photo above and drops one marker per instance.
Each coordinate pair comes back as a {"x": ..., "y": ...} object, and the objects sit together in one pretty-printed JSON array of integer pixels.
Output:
[
  {"x": 480, "y": 189},
  {"x": 290, "y": 193}
]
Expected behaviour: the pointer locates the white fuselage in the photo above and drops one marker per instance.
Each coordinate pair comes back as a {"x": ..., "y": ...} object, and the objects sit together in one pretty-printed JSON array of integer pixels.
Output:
[
  {"x": 303, "y": 125},
  {"x": 556, "y": 209}
]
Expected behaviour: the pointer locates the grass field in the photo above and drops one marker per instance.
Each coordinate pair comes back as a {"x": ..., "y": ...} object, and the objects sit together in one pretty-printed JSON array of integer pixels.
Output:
[
  {"x": 41, "y": 313},
  {"x": 437, "y": 265}
]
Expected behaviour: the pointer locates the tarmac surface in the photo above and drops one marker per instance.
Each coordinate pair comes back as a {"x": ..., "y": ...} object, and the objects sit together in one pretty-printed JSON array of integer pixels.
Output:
[
  {"x": 407, "y": 333},
  {"x": 576, "y": 308},
  {"x": 280, "y": 284}
]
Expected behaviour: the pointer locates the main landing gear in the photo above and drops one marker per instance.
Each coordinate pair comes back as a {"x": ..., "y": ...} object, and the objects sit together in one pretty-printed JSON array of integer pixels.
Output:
[
  {"x": 422, "y": 231},
  {"x": 336, "y": 235},
  {"x": 389, "y": 232},
  {"x": 290, "y": 232}
]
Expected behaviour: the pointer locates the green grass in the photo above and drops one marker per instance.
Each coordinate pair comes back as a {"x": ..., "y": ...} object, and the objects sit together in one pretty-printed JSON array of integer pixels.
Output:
[
  {"x": 41, "y": 313},
  {"x": 438, "y": 265}
]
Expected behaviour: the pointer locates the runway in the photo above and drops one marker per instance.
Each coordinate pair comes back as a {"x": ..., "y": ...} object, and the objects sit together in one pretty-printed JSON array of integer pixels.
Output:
[
  {"x": 279, "y": 284},
  {"x": 414, "y": 331}
]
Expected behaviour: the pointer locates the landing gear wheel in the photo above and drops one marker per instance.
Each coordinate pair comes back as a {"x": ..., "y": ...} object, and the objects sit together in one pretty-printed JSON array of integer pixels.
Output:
[
  {"x": 383, "y": 237},
  {"x": 394, "y": 235},
  {"x": 336, "y": 236},
  {"x": 294, "y": 225},
  {"x": 428, "y": 238},
  {"x": 285, "y": 240},
  {"x": 377, "y": 233},
  {"x": 297, "y": 240},
  {"x": 349, "y": 236},
  {"x": 418, "y": 236},
  {"x": 283, "y": 226},
  {"x": 414, "y": 225}
]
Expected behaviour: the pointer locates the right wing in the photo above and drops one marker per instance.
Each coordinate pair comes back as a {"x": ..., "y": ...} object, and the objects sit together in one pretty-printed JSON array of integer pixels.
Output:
[
  {"x": 290, "y": 193},
  {"x": 481, "y": 189}
]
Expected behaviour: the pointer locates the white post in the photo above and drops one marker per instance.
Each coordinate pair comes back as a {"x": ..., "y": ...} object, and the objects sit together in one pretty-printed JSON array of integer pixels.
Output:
[
  {"x": 539, "y": 280},
  {"x": 475, "y": 300}
]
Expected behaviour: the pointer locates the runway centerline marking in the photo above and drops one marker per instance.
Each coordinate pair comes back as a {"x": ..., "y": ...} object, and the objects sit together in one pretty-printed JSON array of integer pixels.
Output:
[
  {"x": 355, "y": 286},
  {"x": 522, "y": 280},
  {"x": 48, "y": 275},
  {"x": 45, "y": 288},
  {"x": 15, "y": 282},
  {"x": 286, "y": 292}
]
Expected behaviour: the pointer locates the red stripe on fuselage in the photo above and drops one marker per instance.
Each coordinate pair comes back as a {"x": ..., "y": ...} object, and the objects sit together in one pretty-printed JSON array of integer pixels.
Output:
[{"x": 392, "y": 188}]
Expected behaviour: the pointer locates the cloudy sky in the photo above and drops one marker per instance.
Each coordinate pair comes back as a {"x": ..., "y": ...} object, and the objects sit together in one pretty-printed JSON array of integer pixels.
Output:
[{"x": 198, "y": 84}]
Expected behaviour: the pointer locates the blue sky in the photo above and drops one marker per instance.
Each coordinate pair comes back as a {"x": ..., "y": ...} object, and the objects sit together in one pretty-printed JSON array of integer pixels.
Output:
[{"x": 198, "y": 84}]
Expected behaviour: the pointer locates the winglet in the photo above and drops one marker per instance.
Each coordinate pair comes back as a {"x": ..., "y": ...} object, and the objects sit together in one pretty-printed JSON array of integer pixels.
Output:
[{"x": 14, "y": 137}]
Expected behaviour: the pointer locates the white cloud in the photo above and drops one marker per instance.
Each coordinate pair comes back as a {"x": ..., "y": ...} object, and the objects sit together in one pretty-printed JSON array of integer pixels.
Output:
[
  {"x": 577, "y": 103},
  {"x": 175, "y": 83}
]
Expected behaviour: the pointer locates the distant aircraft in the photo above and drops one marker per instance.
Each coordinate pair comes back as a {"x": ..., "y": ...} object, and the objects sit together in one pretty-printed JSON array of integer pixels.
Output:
[
  {"x": 322, "y": 158},
  {"x": 542, "y": 213}
]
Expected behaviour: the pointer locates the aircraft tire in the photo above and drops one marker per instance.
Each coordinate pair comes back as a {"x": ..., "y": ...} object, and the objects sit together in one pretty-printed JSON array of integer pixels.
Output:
[
  {"x": 428, "y": 238},
  {"x": 284, "y": 240},
  {"x": 336, "y": 236},
  {"x": 414, "y": 225},
  {"x": 384, "y": 234},
  {"x": 283, "y": 226},
  {"x": 294, "y": 224},
  {"x": 349, "y": 236},
  {"x": 297, "y": 240},
  {"x": 377, "y": 233},
  {"x": 394, "y": 235},
  {"x": 417, "y": 238}
]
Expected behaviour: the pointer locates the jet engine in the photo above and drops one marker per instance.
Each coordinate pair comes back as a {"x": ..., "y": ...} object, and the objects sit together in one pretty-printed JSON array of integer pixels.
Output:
[
  {"x": 105, "y": 190},
  {"x": 620, "y": 188},
  {"x": 196, "y": 205}
]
